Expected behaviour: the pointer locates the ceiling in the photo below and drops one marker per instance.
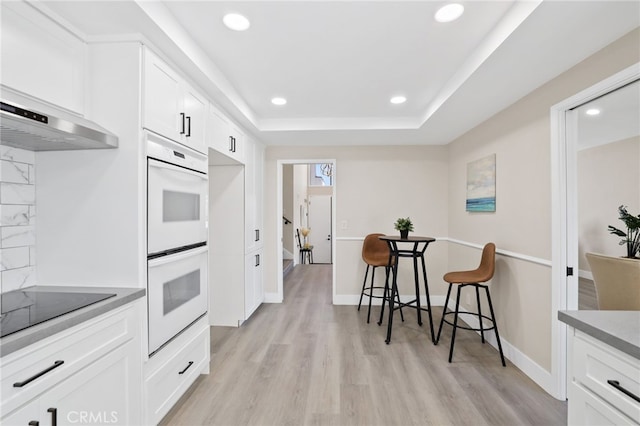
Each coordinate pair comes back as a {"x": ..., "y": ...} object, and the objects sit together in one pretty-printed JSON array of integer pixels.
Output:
[
  {"x": 339, "y": 62},
  {"x": 617, "y": 117}
]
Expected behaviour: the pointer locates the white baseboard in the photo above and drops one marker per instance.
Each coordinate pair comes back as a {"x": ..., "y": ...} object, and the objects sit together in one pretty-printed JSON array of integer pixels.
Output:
[
  {"x": 286, "y": 254},
  {"x": 273, "y": 298},
  {"x": 585, "y": 274},
  {"x": 538, "y": 374}
]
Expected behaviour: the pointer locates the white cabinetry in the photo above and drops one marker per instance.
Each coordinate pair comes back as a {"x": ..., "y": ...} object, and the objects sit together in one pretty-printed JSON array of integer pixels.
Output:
[
  {"x": 599, "y": 377},
  {"x": 223, "y": 136},
  {"x": 40, "y": 58},
  {"x": 254, "y": 160},
  {"x": 253, "y": 284},
  {"x": 235, "y": 236},
  {"x": 92, "y": 374},
  {"x": 170, "y": 372},
  {"x": 172, "y": 107}
]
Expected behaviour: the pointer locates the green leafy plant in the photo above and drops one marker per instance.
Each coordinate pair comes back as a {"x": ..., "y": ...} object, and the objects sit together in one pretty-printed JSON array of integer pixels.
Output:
[
  {"x": 403, "y": 224},
  {"x": 632, "y": 237}
]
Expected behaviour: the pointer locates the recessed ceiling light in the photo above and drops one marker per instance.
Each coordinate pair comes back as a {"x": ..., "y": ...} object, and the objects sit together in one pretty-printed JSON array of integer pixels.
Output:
[
  {"x": 398, "y": 100},
  {"x": 449, "y": 13},
  {"x": 592, "y": 111},
  {"x": 278, "y": 101},
  {"x": 236, "y": 22}
]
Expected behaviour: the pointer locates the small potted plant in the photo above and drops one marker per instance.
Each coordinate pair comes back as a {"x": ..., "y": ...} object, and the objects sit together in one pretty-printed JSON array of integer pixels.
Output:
[
  {"x": 632, "y": 237},
  {"x": 404, "y": 225}
]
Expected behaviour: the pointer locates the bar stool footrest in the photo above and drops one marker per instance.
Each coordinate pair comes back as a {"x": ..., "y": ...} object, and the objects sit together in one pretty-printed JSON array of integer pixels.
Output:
[
  {"x": 475, "y": 314},
  {"x": 369, "y": 289}
]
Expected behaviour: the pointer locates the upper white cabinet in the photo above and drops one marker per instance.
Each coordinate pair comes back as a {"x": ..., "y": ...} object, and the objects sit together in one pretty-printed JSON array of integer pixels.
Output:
[
  {"x": 224, "y": 136},
  {"x": 172, "y": 107},
  {"x": 40, "y": 58}
]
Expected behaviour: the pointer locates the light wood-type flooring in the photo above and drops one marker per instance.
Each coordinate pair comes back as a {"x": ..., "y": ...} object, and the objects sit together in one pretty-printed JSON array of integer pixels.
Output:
[
  {"x": 307, "y": 362},
  {"x": 587, "y": 298}
]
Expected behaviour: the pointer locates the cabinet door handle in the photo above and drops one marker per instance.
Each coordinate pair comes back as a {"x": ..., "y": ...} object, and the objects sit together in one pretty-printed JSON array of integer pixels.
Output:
[
  {"x": 186, "y": 368},
  {"x": 42, "y": 373},
  {"x": 257, "y": 260},
  {"x": 188, "y": 126},
  {"x": 183, "y": 118},
  {"x": 231, "y": 143},
  {"x": 234, "y": 144},
  {"x": 616, "y": 384},
  {"x": 257, "y": 235},
  {"x": 54, "y": 416},
  {"x": 34, "y": 423}
]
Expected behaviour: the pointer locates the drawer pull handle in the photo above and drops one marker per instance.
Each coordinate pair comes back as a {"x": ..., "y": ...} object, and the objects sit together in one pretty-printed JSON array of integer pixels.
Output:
[
  {"x": 186, "y": 368},
  {"x": 42, "y": 373},
  {"x": 34, "y": 423},
  {"x": 616, "y": 384},
  {"x": 54, "y": 416}
]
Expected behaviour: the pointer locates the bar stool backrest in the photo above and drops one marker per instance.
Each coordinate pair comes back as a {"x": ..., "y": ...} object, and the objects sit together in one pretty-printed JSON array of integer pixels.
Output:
[
  {"x": 487, "y": 263},
  {"x": 482, "y": 274},
  {"x": 375, "y": 252}
]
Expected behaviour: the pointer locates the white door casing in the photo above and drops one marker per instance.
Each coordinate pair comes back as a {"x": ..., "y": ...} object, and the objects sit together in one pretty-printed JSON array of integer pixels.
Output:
[
  {"x": 564, "y": 250},
  {"x": 278, "y": 297}
]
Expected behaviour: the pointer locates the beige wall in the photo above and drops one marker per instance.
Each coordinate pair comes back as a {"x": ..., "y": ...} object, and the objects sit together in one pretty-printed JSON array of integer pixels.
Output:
[
  {"x": 520, "y": 138},
  {"x": 376, "y": 185},
  {"x": 608, "y": 176}
]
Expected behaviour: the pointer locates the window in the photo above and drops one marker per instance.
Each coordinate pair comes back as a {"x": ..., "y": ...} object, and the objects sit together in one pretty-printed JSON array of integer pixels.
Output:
[{"x": 321, "y": 174}]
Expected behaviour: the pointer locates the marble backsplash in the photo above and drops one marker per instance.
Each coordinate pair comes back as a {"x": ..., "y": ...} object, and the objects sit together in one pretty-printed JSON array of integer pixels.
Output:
[{"x": 17, "y": 218}]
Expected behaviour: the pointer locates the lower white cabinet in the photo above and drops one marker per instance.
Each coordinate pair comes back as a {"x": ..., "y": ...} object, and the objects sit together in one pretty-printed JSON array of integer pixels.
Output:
[
  {"x": 253, "y": 286},
  {"x": 602, "y": 381},
  {"x": 170, "y": 371},
  {"x": 92, "y": 374}
]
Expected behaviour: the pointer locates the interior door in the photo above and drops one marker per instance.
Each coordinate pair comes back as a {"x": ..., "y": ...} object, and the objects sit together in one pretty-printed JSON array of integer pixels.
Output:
[{"x": 320, "y": 224}]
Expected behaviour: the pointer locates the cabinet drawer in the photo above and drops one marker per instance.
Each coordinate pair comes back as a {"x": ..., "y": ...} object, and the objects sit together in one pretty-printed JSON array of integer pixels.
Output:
[
  {"x": 75, "y": 347},
  {"x": 585, "y": 408},
  {"x": 596, "y": 365},
  {"x": 166, "y": 384}
]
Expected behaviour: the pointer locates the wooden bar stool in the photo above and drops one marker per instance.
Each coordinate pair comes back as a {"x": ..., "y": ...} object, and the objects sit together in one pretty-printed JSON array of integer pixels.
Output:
[
  {"x": 376, "y": 253},
  {"x": 473, "y": 278}
]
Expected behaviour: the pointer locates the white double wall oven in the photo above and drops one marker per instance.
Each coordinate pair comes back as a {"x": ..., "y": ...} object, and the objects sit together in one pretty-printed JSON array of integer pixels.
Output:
[{"x": 177, "y": 222}]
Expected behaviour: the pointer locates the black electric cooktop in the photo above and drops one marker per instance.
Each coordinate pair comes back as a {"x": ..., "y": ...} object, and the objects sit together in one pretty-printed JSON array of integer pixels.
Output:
[{"x": 25, "y": 308}]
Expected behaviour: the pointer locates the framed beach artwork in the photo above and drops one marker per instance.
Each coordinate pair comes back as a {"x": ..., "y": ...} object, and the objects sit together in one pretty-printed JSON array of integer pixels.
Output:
[{"x": 481, "y": 185}]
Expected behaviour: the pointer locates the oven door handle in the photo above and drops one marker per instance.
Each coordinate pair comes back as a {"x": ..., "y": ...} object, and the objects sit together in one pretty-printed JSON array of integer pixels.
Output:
[
  {"x": 158, "y": 261},
  {"x": 162, "y": 165}
]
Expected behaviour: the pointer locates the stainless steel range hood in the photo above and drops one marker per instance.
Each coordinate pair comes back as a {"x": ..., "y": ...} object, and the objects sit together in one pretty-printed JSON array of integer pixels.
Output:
[{"x": 35, "y": 126}]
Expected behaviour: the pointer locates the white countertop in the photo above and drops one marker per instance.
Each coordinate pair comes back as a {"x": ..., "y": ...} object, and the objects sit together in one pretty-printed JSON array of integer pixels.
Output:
[
  {"x": 28, "y": 336},
  {"x": 619, "y": 329}
]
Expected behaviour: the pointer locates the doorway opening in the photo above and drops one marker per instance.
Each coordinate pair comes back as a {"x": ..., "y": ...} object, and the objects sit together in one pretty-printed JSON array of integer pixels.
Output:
[
  {"x": 306, "y": 202},
  {"x": 564, "y": 193}
]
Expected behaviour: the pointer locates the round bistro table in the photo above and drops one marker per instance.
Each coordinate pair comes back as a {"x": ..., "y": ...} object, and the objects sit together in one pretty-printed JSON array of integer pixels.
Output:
[{"x": 412, "y": 247}]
